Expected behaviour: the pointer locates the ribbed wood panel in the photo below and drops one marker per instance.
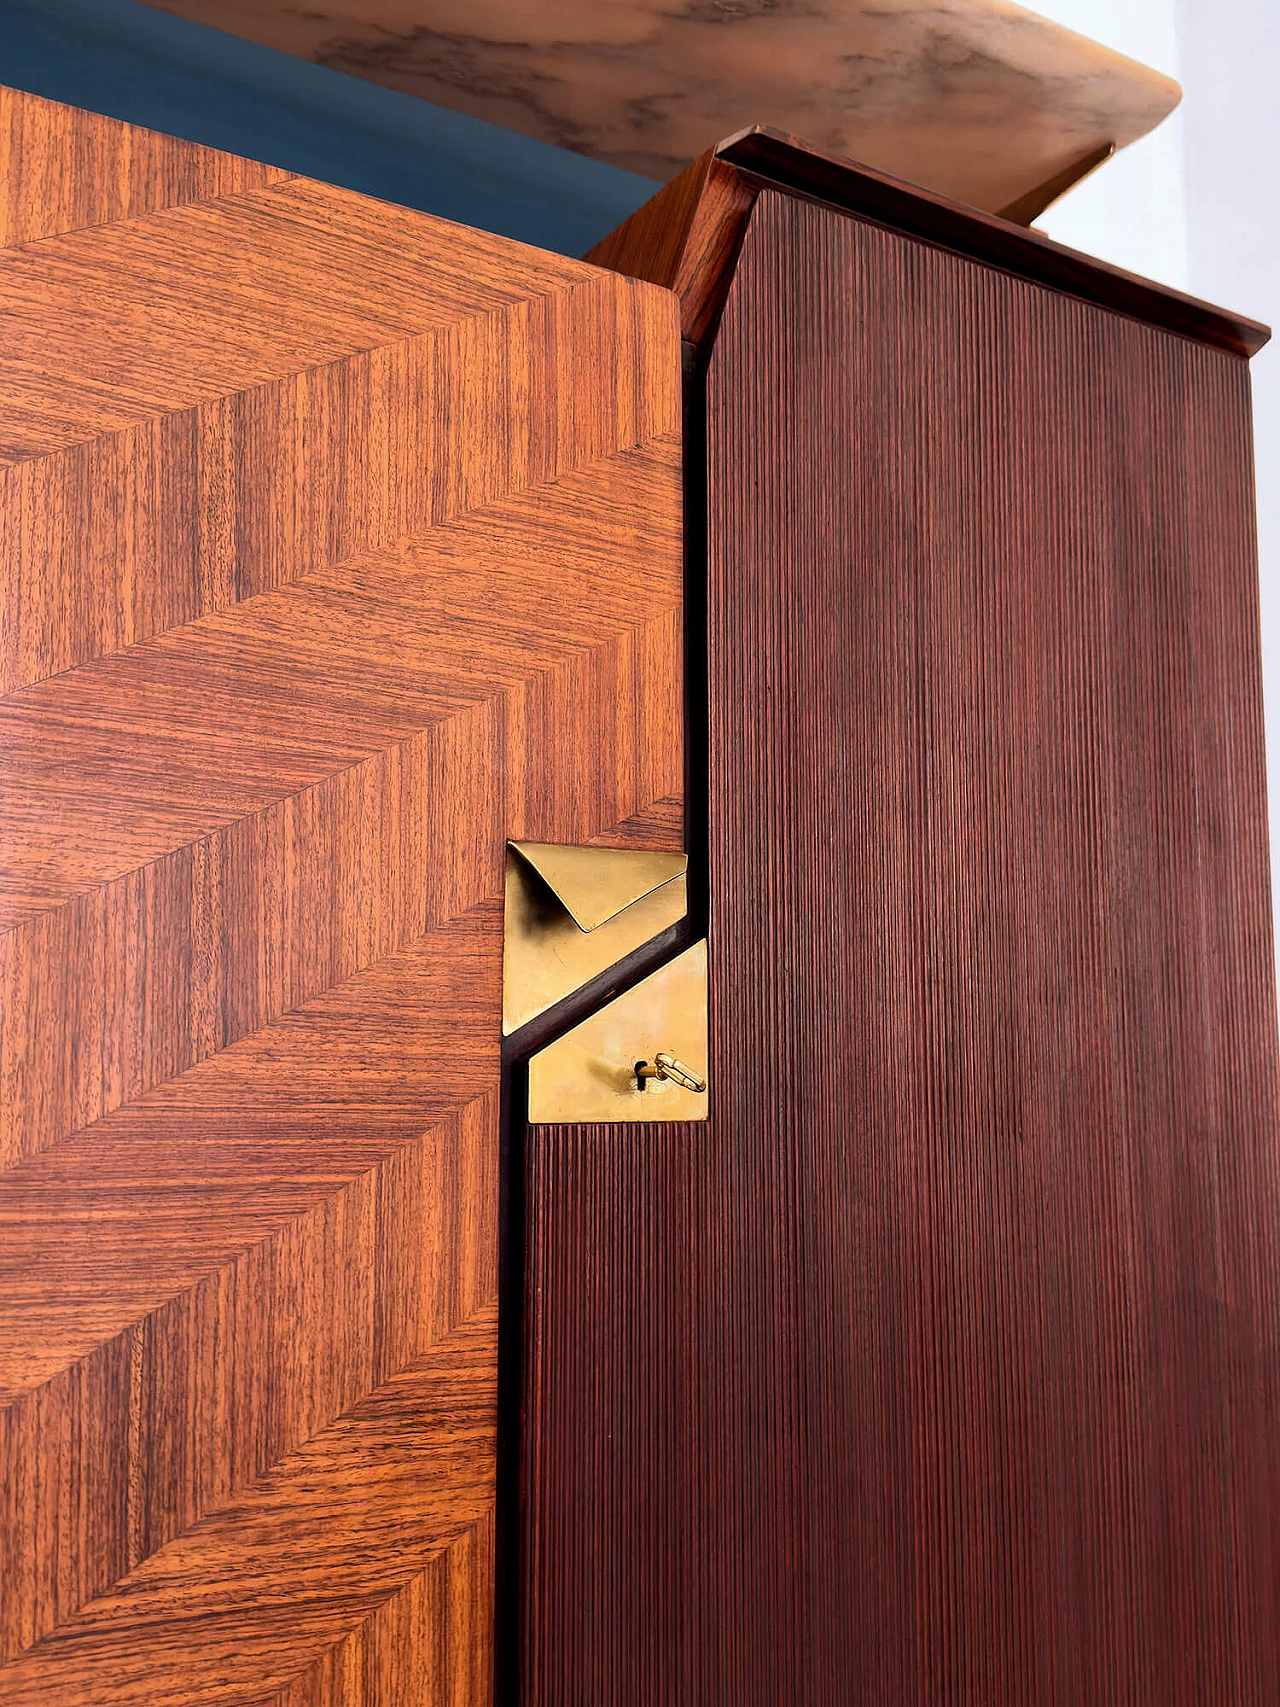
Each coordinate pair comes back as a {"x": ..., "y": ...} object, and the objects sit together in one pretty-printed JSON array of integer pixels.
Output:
[
  {"x": 340, "y": 544},
  {"x": 611, "y": 1372},
  {"x": 971, "y": 1392}
]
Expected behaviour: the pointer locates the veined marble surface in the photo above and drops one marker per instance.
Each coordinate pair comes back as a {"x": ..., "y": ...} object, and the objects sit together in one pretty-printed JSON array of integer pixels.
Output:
[{"x": 979, "y": 99}]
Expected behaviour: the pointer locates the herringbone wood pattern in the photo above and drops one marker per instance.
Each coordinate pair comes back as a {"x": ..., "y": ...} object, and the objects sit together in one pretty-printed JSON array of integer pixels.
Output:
[{"x": 339, "y": 545}]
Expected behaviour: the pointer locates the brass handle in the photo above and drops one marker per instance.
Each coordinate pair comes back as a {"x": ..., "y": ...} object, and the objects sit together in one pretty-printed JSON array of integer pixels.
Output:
[{"x": 665, "y": 1066}]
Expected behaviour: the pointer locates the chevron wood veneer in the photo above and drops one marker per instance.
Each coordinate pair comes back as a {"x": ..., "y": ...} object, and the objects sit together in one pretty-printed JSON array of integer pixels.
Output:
[{"x": 340, "y": 543}]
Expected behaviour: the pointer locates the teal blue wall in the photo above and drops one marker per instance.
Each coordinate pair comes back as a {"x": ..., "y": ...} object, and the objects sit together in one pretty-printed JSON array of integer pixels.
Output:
[{"x": 125, "y": 59}]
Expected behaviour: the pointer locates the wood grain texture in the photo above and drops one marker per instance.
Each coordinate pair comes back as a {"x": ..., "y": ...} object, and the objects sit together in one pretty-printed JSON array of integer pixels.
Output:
[
  {"x": 320, "y": 847},
  {"x": 658, "y": 830},
  {"x": 687, "y": 240},
  {"x": 66, "y": 169},
  {"x": 341, "y": 544},
  {"x": 943, "y": 1364},
  {"x": 352, "y": 1531},
  {"x": 139, "y": 433}
]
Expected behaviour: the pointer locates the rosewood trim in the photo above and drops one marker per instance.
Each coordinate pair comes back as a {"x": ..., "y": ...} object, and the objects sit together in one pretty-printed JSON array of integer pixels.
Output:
[{"x": 783, "y": 162}]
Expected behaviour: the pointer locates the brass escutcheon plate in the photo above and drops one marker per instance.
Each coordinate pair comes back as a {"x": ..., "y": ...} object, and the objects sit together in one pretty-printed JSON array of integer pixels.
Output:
[{"x": 588, "y": 1076}]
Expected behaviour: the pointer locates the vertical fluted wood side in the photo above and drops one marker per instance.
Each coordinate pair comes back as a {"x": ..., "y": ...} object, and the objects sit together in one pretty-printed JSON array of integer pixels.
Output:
[
  {"x": 611, "y": 1376},
  {"x": 979, "y": 1276}
]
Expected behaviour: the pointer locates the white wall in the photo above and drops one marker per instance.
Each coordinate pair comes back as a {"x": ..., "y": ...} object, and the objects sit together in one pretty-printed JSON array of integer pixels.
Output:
[
  {"x": 1131, "y": 211},
  {"x": 1230, "y": 56},
  {"x": 1196, "y": 205}
]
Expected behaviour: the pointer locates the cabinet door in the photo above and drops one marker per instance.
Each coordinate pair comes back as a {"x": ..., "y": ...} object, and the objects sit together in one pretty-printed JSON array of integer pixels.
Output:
[
  {"x": 941, "y": 1366},
  {"x": 340, "y": 544}
]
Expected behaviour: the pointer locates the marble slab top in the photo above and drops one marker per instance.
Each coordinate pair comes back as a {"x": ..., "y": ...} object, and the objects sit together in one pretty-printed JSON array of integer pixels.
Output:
[{"x": 981, "y": 100}]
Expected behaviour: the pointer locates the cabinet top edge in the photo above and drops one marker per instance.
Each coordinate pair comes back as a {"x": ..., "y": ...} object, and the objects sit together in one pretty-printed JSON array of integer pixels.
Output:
[{"x": 775, "y": 159}]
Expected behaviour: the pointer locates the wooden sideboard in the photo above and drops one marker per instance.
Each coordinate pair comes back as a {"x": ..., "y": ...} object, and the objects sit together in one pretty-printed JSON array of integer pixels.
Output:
[{"x": 899, "y": 565}]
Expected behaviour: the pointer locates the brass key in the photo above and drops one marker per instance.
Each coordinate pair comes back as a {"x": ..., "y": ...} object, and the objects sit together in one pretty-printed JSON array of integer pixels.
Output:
[{"x": 665, "y": 1066}]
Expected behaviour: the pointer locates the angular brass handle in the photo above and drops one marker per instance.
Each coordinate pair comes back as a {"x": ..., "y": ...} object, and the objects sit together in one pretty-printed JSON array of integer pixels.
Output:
[{"x": 665, "y": 1066}]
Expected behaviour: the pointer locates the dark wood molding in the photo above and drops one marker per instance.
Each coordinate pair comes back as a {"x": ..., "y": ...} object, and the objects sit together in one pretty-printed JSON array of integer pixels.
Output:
[
  {"x": 790, "y": 164},
  {"x": 688, "y": 237}
]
